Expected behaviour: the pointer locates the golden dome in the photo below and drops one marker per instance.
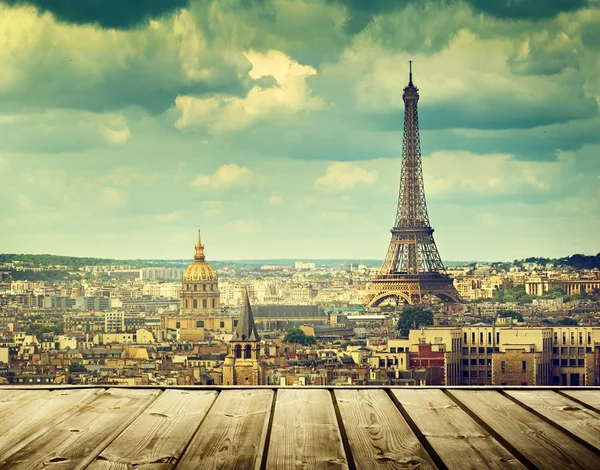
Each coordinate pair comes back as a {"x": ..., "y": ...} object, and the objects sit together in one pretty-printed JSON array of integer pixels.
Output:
[{"x": 199, "y": 270}]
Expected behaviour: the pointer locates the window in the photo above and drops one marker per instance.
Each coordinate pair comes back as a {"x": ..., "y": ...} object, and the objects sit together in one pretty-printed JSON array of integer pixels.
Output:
[
  {"x": 579, "y": 350},
  {"x": 465, "y": 373},
  {"x": 564, "y": 362},
  {"x": 178, "y": 325},
  {"x": 186, "y": 303},
  {"x": 195, "y": 303},
  {"x": 465, "y": 362},
  {"x": 482, "y": 362},
  {"x": 498, "y": 338},
  {"x": 473, "y": 373},
  {"x": 555, "y": 362},
  {"x": 213, "y": 303},
  {"x": 473, "y": 362},
  {"x": 523, "y": 366},
  {"x": 204, "y": 287},
  {"x": 203, "y": 303},
  {"x": 247, "y": 351},
  {"x": 238, "y": 351},
  {"x": 580, "y": 362},
  {"x": 481, "y": 337},
  {"x": 489, "y": 337},
  {"x": 465, "y": 351},
  {"x": 503, "y": 366},
  {"x": 490, "y": 350},
  {"x": 195, "y": 287},
  {"x": 222, "y": 324},
  {"x": 211, "y": 286},
  {"x": 200, "y": 324},
  {"x": 572, "y": 362},
  {"x": 481, "y": 350},
  {"x": 473, "y": 350},
  {"x": 472, "y": 337},
  {"x": 392, "y": 350},
  {"x": 465, "y": 338},
  {"x": 554, "y": 350},
  {"x": 235, "y": 322}
]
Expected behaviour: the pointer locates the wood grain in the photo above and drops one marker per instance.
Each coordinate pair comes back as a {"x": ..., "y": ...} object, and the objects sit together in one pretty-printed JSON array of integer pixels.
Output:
[
  {"x": 12, "y": 400},
  {"x": 568, "y": 414},
  {"x": 542, "y": 444},
  {"x": 378, "y": 435},
  {"x": 233, "y": 433},
  {"x": 305, "y": 432},
  {"x": 78, "y": 439},
  {"x": 38, "y": 416},
  {"x": 158, "y": 437},
  {"x": 589, "y": 397},
  {"x": 459, "y": 441}
]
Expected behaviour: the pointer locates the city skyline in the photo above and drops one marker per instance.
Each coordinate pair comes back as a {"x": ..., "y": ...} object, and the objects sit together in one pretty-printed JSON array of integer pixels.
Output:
[{"x": 283, "y": 141}]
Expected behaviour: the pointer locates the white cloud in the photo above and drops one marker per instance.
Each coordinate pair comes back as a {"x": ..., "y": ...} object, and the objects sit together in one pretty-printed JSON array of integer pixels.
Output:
[
  {"x": 226, "y": 176},
  {"x": 341, "y": 176},
  {"x": 24, "y": 201},
  {"x": 274, "y": 199},
  {"x": 212, "y": 207},
  {"x": 227, "y": 113},
  {"x": 463, "y": 173},
  {"x": 113, "y": 196},
  {"x": 115, "y": 131},
  {"x": 246, "y": 226}
]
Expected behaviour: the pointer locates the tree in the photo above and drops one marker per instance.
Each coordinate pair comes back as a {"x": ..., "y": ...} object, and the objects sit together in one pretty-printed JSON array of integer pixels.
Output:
[
  {"x": 414, "y": 317},
  {"x": 76, "y": 367},
  {"x": 296, "y": 335},
  {"x": 511, "y": 314},
  {"x": 567, "y": 322}
]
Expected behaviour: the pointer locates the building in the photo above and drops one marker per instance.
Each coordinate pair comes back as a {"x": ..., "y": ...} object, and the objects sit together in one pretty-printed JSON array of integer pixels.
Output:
[
  {"x": 539, "y": 285},
  {"x": 199, "y": 289},
  {"x": 243, "y": 364}
]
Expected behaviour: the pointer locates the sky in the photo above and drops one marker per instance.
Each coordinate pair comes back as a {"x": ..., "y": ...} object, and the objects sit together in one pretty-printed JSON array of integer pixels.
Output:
[{"x": 276, "y": 126}]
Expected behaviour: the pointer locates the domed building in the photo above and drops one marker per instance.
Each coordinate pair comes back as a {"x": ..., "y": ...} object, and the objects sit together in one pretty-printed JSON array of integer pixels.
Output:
[
  {"x": 200, "y": 287},
  {"x": 200, "y": 304}
]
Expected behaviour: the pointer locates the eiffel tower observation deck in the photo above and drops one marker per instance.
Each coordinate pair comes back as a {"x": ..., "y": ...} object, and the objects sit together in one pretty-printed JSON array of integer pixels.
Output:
[{"x": 412, "y": 270}]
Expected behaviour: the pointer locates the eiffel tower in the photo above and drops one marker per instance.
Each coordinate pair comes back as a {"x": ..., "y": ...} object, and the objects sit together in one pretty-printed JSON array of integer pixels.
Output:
[{"x": 412, "y": 270}]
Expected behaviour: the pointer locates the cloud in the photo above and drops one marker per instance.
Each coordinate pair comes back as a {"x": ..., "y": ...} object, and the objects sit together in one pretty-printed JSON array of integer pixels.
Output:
[
  {"x": 59, "y": 130},
  {"x": 467, "y": 86},
  {"x": 226, "y": 176},
  {"x": 212, "y": 207},
  {"x": 341, "y": 176},
  {"x": 106, "y": 13},
  {"x": 245, "y": 226},
  {"x": 226, "y": 113},
  {"x": 113, "y": 197},
  {"x": 46, "y": 64},
  {"x": 274, "y": 199},
  {"x": 464, "y": 174}
]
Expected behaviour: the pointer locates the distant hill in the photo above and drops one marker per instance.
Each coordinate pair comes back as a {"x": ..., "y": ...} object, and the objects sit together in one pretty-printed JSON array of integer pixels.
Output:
[{"x": 577, "y": 261}]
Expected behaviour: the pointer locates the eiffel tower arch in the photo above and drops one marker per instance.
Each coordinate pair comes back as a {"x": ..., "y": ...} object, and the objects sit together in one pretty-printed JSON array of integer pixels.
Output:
[{"x": 412, "y": 270}]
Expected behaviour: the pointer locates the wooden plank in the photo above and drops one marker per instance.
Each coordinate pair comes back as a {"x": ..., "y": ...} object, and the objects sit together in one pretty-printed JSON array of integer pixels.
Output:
[
  {"x": 158, "y": 437},
  {"x": 542, "y": 444},
  {"x": 12, "y": 400},
  {"x": 305, "y": 433},
  {"x": 233, "y": 433},
  {"x": 378, "y": 435},
  {"x": 589, "y": 397},
  {"x": 458, "y": 440},
  {"x": 568, "y": 414},
  {"x": 78, "y": 439},
  {"x": 38, "y": 416}
]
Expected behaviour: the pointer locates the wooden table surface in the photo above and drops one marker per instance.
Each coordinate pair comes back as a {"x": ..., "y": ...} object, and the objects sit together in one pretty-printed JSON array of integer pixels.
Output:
[{"x": 299, "y": 427}]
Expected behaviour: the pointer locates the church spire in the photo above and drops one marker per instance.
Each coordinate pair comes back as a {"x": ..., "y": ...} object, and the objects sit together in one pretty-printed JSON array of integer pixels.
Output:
[
  {"x": 246, "y": 329},
  {"x": 199, "y": 255}
]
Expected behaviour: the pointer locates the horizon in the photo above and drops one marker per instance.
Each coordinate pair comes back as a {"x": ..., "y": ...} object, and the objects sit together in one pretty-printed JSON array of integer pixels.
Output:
[{"x": 277, "y": 126}]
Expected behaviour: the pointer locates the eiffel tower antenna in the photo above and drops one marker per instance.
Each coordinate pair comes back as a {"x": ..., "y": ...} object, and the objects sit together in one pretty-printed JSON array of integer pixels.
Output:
[{"x": 412, "y": 270}]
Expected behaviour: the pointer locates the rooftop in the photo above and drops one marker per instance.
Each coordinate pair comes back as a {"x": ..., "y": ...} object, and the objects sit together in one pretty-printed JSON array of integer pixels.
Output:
[{"x": 308, "y": 427}]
